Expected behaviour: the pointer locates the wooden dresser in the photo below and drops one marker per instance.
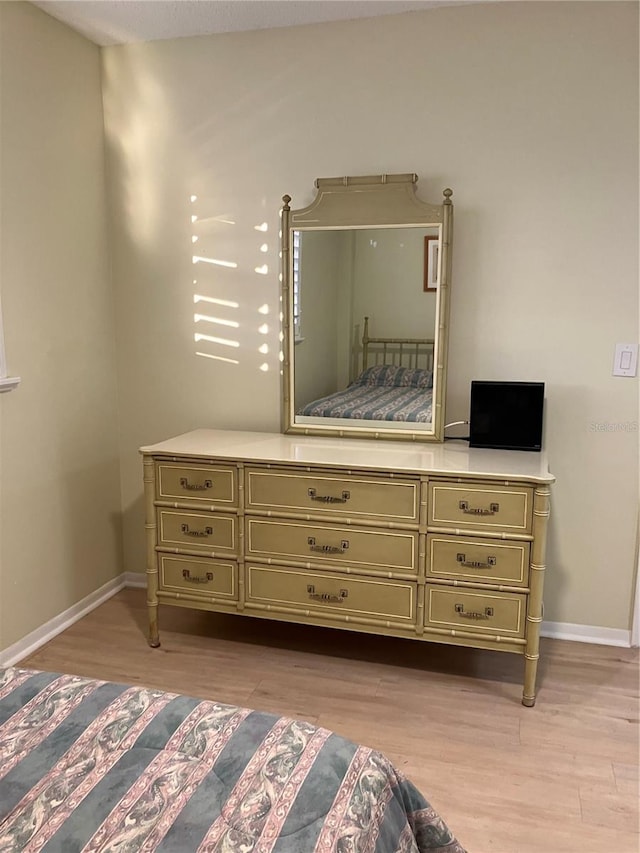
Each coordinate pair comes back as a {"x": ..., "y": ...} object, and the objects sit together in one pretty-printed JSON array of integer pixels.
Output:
[{"x": 436, "y": 542}]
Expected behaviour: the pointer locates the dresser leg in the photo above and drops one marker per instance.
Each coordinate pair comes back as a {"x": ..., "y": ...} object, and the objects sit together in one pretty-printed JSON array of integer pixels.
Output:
[
  {"x": 530, "y": 673},
  {"x": 154, "y": 636},
  {"x": 152, "y": 561}
]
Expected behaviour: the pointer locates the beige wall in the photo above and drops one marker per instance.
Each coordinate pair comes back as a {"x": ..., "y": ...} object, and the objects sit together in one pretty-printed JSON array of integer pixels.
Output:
[
  {"x": 59, "y": 478},
  {"x": 396, "y": 308},
  {"x": 316, "y": 355},
  {"x": 529, "y": 111}
]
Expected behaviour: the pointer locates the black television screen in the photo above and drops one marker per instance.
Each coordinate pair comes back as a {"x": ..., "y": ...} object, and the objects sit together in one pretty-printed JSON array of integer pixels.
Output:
[{"x": 506, "y": 415}]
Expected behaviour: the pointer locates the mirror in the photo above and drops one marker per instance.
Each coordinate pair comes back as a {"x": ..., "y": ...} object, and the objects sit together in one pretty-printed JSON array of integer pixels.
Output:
[{"x": 365, "y": 286}]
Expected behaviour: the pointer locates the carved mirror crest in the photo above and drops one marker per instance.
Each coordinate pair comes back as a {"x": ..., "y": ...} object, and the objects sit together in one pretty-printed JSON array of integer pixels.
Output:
[{"x": 365, "y": 294}]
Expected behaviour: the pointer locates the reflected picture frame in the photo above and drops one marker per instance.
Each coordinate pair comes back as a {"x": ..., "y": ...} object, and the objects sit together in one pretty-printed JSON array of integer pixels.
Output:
[{"x": 431, "y": 247}]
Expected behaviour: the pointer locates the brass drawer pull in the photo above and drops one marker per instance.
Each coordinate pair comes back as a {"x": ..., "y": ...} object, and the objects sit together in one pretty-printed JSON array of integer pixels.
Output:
[
  {"x": 331, "y": 597},
  {"x": 328, "y": 499},
  {"x": 475, "y": 564},
  {"x": 208, "y": 531},
  {"x": 474, "y": 614},
  {"x": 195, "y": 487},
  {"x": 327, "y": 549},
  {"x": 208, "y": 577},
  {"x": 478, "y": 510}
]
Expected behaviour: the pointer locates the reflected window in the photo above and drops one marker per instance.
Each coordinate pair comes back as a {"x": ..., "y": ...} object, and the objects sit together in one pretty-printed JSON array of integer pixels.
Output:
[{"x": 296, "y": 253}]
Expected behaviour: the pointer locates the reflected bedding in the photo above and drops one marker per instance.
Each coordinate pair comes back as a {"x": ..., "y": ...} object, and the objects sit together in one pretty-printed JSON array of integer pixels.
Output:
[{"x": 382, "y": 393}]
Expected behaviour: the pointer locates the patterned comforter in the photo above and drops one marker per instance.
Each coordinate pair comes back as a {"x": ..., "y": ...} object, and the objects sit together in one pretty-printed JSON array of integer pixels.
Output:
[
  {"x": 89, "y": 765},
  {"x": 374, "y": 403}
]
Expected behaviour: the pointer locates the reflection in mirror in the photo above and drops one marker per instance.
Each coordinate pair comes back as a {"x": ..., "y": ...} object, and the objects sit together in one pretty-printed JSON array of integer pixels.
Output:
[
  {"x": 365, "y": 326},
  {"x": 365, "y": 280}
]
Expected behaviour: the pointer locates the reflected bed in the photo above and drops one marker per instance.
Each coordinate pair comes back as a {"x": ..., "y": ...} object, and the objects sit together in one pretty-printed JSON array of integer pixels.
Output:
[
  {"x": 380, "y": 393},
  {"x": 90, "y": 765},
  {"x": 396, "y": 384}
]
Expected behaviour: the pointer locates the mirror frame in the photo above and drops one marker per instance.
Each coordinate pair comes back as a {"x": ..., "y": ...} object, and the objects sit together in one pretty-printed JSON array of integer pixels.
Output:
[{"x": 371, "y": 201}]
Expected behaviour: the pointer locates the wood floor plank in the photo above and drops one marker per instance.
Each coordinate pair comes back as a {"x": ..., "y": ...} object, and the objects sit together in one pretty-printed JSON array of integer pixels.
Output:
[
  {"x": 627, "y": 779},
  {"x": 606, "y": 807},
  {"x": 561, "y": 777}
]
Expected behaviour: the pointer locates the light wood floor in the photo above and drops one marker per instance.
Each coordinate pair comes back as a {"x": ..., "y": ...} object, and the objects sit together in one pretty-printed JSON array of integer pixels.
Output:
[{"x": 558, "y": 778}]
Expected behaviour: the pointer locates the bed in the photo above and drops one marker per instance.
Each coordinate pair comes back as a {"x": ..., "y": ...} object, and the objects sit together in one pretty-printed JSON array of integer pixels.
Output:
[
  {"x": 395, "y": 383},
  {"x": 88, "y": 765}
]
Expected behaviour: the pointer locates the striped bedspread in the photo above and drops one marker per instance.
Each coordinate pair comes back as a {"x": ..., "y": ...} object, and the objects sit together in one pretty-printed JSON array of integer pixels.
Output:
[
  {"x": 89, "y": 765},
  {"x": 374, "y": 403}
]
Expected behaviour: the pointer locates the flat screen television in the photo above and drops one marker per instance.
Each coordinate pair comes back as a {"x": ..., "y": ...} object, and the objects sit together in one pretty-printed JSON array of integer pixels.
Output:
[{"x": 506, "y": 415}]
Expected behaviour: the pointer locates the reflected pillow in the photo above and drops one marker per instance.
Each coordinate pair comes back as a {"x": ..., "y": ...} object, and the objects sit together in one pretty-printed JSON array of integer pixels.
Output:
[{"x": 394, "y": 376}]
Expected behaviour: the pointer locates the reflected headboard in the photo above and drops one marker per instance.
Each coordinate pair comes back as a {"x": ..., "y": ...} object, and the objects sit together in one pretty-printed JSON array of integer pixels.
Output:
[{"x": 403, "y": 352}]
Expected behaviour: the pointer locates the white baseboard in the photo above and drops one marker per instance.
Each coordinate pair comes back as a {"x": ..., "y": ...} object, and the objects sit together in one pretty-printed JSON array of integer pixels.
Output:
[
  {"x": 46, "y": 632},
  {"x": 137, "y": 579},
  {"x": 59, "y": 623},
  {"x": 586, "y": 634}
]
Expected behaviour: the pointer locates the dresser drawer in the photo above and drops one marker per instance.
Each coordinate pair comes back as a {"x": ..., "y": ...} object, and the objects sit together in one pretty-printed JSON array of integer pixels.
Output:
[
  {"x": 353, "y": 497},
  {"x": 332, "y": 593},
  {"x": 197, "y": 530},
  {"x": 206, "y": 577},
  {"x": 477, "y": 559},
  {"x": 481, "y": 612},
  {"x": 365, "y": 548},
  {"x": 470, "y": 505},
  {"x": 202, "y": 483}
]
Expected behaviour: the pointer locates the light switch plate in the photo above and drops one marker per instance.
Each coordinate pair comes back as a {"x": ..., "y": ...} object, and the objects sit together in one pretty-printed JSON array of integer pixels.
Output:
[{"x": 625, "y": 361}]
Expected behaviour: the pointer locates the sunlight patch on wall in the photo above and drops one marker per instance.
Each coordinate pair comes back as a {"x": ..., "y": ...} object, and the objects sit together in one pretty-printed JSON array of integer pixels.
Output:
[
  {"x": 215, "y": 244},
  {"x": 219, "y": 321},
  {"x": 218, "y": 357},
  {"x": 217, "y": 317},
  {"x": 225, "y": 342},
  {"x": 198, "y": 259},
  {"x": 227, "y": 303}
]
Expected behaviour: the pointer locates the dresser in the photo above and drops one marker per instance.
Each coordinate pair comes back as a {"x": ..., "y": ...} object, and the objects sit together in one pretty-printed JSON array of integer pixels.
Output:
[{"x": 435, "y": 542}]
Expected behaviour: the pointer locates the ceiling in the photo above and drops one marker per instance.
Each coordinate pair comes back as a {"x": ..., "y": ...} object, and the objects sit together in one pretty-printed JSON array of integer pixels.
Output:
[{"x": 108, "y": 22}]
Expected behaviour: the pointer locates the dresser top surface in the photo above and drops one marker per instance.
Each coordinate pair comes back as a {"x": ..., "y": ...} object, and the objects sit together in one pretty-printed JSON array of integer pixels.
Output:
[{"x": 453, "y": 458}]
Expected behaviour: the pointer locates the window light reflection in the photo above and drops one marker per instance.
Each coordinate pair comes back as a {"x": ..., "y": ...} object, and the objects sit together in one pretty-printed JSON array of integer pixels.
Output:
[
  {"x": 262, "y": 227},
  {"x": 199, "y": 259},
  {"x": 263, "y": 270},
  {"x": 225, "y": 342},
  {"x": 198, "y": 297},
  {"x": 205, "y": 318},
  {"x": 218, "y": 357}
]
